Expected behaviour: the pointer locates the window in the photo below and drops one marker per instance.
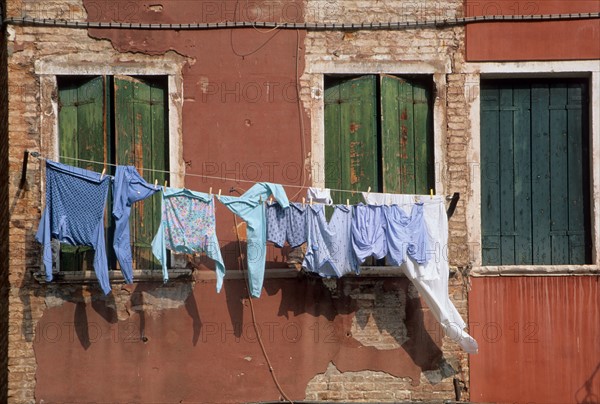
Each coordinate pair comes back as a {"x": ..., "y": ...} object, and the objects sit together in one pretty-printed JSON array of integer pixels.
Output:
[
  {"x": 535, "y": 184},
  {"x": 117, "y": 120},
  {"x": 378, "y": 134}
]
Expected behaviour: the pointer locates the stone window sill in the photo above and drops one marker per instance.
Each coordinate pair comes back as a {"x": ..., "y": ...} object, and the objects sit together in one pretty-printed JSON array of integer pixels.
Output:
[
  {"x": 535, "y": 270},
  {"x": 186, "y": 275}
]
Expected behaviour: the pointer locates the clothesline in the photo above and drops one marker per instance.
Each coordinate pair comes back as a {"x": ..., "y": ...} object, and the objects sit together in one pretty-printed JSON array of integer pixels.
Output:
[
  {"x": 39, "y": 156},
  {"x": 76, "y": 200}
]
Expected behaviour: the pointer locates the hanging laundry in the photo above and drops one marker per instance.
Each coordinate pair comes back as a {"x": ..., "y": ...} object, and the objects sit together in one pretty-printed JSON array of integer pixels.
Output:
[
  {"x": 319, "y": 195},
  {"x": 329, "y": 250},
  {"x": 74, "y": 214},
  {"x": 286, "y": 224},
  {"x": 188, "y": 226},
  {"x": 369, "y": 232},
  {"x": 431, "y": 279},
  {"x": 128, "y": 187},
  {"x": 406, "y": 235},
  {"x": 251, "y": 209}
]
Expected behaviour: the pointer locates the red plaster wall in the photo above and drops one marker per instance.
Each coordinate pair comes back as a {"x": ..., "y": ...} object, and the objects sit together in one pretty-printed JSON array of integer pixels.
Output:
[
  {"x": 539, "y": 339},
  {"x": 512, "y": 41},
  {"x": 241, "y": 117},
  {"x": 206, "y": 349}
]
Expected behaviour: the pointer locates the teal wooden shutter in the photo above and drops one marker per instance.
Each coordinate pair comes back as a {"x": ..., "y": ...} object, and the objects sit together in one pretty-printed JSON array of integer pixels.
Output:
[
  {"x": 351, "y": 150},
  {"x": 534, "y": 173},
  {"x": 407, "y": 136},
  {"x": 141, "y": 140},
  {"x": 82, "y": 135}
]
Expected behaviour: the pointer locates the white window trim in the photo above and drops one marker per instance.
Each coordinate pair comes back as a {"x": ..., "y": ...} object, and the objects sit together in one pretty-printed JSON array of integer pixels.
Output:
[
  {"x": 48, "y": 68},
  {"x": 557, "y": 69}
]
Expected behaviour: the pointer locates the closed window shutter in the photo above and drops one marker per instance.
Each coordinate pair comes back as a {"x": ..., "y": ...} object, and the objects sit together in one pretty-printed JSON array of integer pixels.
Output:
[
  {"x": 406, "y": 123},
  {"x": 535, "y": 173},
  {"x": 141, "y": 140},
  {"x": 351, "y": 150},
  {"x": 83, "y": 135}
]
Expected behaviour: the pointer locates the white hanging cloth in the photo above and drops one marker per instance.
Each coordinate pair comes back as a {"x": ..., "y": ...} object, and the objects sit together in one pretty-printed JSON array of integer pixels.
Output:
[{"x": 431, "y": 279}]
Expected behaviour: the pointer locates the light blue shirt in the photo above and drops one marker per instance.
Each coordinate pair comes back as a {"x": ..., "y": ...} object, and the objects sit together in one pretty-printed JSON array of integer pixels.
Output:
[
  {"x": 250, "y": 208},
  {"x": 406, "y": 235},
  {"x": 329, "y": 250},
  {"x": 369, "y": 232}
]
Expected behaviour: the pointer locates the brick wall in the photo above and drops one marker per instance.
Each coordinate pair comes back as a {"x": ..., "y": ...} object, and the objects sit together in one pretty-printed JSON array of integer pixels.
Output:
[
  {"x": 28, "y": 300},
  {"x": 440, "y": 51},
  {"x": 29, "y": 131},
  {"x": 4, "y": 216}
]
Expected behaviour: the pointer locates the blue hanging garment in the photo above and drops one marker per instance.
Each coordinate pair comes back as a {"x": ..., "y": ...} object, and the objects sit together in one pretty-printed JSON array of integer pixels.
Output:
[
  {"x": 74, "y": 214},
  {"x": 250, "y": 208},
  {"x": 128, "y": 187}
]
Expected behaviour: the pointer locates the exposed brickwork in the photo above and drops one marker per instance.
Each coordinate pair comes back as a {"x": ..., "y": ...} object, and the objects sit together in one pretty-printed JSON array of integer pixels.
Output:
[
  {"x": 441, "y": 50},
  {"x": 369, "y": 386},
  {"x": 4, "y": 215},
  {"x": 29, "y": 129}
]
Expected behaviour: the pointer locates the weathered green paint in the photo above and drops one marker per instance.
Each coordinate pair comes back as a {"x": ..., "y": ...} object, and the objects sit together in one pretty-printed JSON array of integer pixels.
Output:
[
  {"x": 142, "y": 141},
  {"x": 378, "y": 134},
  {"x": 534, "y": 173},
  {"x": 87, "y": 109},
  {"x": 81, "y": 127},
  {"x": 406, "y": 128},
  {"x": 351, "y": 156},
  {"x": 490, "y": 174}
]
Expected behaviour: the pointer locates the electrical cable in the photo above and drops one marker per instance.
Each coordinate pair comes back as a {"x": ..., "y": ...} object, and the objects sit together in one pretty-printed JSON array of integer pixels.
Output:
[
  {"x": 449, "y": 22},
  {"x": 301, "y": 118},
  {"x": 256, "y": 329}
]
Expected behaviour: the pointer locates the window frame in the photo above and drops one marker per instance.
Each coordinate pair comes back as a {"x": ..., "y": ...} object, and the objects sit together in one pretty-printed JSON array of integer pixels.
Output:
[
  {"x": 314, "y": 77},
  {"x": 47, "y": 71},
  {"x": 316, "y": 73},
  {"x": 534, "y": 70}
]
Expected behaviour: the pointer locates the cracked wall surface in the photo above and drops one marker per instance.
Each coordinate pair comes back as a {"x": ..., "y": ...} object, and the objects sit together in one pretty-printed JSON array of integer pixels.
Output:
[{"x": 240, "y": 119}]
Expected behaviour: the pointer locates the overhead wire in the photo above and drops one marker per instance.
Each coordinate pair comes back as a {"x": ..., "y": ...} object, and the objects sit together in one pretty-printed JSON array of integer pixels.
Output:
[
  {"x": 252, "y": 311},
  {"x": 446, "y": 22}
]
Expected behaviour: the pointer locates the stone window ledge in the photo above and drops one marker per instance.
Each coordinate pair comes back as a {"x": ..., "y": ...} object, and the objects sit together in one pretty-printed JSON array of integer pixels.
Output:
[
  {"x": 186, "y": 275},
  {"x": 535, "y": 270}
]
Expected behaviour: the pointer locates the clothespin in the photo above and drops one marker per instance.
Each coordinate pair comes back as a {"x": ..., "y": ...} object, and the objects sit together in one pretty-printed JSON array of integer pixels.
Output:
[
  {"x": 103, "y": 172},
  {"x": 260, "y": 199},
  {"x": 368, "y": 191},
  {"x": 303, "y": 201},
  {"x": 219, "y": 196},
  {"x": 155, "y": 184},
  {"x": 311, "y": 201},
  {"x": 271, "y": 200},
  {"x": 210, "y": 191},
  {"x": 166, "y": 183},
  {"x": 347, "y": 203},
  {"x": 431, "y": 193}
]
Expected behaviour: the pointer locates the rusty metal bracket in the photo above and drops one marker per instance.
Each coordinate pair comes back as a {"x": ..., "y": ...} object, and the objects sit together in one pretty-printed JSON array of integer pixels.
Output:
[
  {"x": 453, "y": 203},
  {"x": 24, "y": 169}
]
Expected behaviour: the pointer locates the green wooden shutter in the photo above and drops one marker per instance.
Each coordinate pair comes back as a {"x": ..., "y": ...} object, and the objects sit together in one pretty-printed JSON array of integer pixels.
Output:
[
  {"x": 534, "y": 173},
  {"x": 82, "y": 135},
  {"x": 141, "y": 140},
  {"x": 407, "y": 136},
  {"x": 351, "y": 150}
]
